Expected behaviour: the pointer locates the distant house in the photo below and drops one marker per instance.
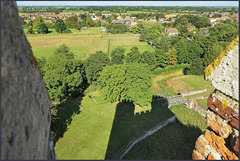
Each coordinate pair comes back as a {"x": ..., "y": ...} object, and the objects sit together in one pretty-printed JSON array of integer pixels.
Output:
[
  {"x": 191, "y": 28},
  {"x": 94, "y": 18},
  {"x": 212, "y": 20},
  {"x": 171, "y": 31},
  {"x": 168, "y": 16},
  {"x": 118, "y": 21}
]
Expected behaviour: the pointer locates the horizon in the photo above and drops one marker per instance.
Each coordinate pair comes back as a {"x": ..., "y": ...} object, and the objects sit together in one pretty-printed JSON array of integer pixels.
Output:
[{"x": 128, "y": 3}]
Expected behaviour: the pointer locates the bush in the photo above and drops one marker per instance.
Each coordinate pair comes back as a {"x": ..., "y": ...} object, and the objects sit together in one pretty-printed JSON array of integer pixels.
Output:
[{"x": 196, "y": 67}]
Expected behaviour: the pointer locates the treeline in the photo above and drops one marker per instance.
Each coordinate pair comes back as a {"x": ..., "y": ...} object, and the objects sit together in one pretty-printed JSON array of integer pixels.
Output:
[
  {"x": 198, "y": 49},
  {"x": 124, "y": 9}
]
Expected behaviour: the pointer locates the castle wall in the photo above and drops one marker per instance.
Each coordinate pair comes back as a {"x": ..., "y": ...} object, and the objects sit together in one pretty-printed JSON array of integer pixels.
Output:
[
  {"x": 25, "y": 105},
  {"x": 220, "y": 140}
]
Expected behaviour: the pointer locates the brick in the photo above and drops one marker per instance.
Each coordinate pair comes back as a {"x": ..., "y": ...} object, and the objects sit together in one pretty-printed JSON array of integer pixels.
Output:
[
  {"x": 197, "y": 156},
  {"x": 211, "y": 157},
  {"x": 236, "y": 146},
  {"x": 226, "y": 113},
  {"x": 218, "y": 143},
  {"x": 218, "y": 124},
  {"x": 201, "y": 146}
]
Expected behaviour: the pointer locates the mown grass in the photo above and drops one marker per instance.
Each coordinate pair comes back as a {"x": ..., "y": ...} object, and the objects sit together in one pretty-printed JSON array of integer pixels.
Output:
[
  {"x": 203, "y": 102},
  {"x": 175, "y": 141},
  {"x": 198, "y": 83},
  {"x": 100, "y": 131},
  {"x": 85, "y": 41}
]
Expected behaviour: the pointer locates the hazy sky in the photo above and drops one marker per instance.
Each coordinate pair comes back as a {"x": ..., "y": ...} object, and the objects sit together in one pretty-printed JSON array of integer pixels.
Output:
[{"x": 127, "y": 3}]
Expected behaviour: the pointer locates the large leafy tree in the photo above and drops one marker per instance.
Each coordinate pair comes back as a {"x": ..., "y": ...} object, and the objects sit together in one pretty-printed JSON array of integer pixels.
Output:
[
  {"x": 131, "y": 82},
  {"x": 90, "y": 22},
  {"x": 182, "y": 52},
  {"x": 42, "y": 28},
  {"x": 133, "y": 56},
  {"x": 72, "y": 21},
  {"x": 211, "y": 54},
  {"x": 162, "y": 58},
  {"x": 94, "y": 65},
  {"x": 117, "y": 55},
  {"x": 116, "y": 28},
  {"x": 194, "y": 50},
  {"x": 60, "y": 26},
  {"x": 173, "y": 56},
  {"x": 196, "y": 67},
  {"x": 148, "y": 58},
  {"x": 63, "y": 76},
  {"x": 37, "y": 21}
]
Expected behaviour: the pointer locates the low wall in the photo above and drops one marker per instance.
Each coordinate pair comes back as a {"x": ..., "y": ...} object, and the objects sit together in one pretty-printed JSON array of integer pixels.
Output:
[
  {"x": 143, "y": 136},
  {"x": 189, "y": 93}
]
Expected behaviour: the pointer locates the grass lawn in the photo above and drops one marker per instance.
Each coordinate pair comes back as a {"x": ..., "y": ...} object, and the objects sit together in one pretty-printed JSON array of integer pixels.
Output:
[
  {"x": 175, "y": 141},
  {"x": 197, "y": 83},
  {"x": 203, "y": 102},
  {"x": 100, "y": 131},
  {"x": 85, "y": 41}
]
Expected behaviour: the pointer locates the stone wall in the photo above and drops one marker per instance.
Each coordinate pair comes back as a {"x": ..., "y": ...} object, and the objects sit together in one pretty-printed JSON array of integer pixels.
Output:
[
  {"x": 25, "y": 105},
  {"x": 220, "y": 140},
  {"x": 189, "y": 93}
]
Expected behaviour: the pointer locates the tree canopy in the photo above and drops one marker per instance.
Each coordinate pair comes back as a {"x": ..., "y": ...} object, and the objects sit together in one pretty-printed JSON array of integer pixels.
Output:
[
  {"x": 94, "y": 65},
  {"x": 127, "y": 82},
  {"x": 60, "y": 26}
]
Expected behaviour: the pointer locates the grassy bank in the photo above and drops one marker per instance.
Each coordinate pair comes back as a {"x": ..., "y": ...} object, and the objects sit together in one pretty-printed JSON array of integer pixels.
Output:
[
  {"x": 175, "y": 141},
  {"x": 100, "y": 131}
]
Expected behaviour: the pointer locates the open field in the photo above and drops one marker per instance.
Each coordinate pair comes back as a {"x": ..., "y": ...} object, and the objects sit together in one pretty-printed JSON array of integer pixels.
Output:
[
  {"x": 100, "y": 131},
  {"x": 197, "y": 83},
  {"x": 85, "y": 41},
  {"x": 175, "y": 141},
  {"x": 203, "y": 102}
]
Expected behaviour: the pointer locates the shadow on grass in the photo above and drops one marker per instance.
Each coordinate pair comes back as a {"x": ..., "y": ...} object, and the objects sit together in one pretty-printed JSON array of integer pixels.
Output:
[
  {"x": 62, "y": 117},
  {"x": 173, "y": 142},
  {"x": 127, "y": 125}
]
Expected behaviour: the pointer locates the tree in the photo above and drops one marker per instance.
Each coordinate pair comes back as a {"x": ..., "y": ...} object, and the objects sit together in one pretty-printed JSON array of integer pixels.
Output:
[
  {"x": 162, "y": 59},
  {"x": 133, "y": 56},
  {"x": 211, "y": 54},
  {"x": 98, "y": 24},
  {"x": 63, "y": 76},
  {"x": 98, "y": 14},
  {"x": 30, "y": 30},
  {"x": 182, "y": 27},
  {"x": 204, "y": 32},
  {"x": 117, "y": 55},
  {"x": 182, "y": 52},
  {"x": 37, "y": 21},
  {"x": 148, "y": 58},
  {"x": 116, "y": 28},
  {"x": 173, "y": 56},
  {"x": 41, "y": 64},
  {"x": 64, "y": 49},
  {"x": 90, "y": 22},
  {"x": 94, "y": 65},
  {"x": 60, "y": 26},
  {"x": 42, "y": 28},
  {"x": 194, "y": 50},
  {"x": 72, "y": 21},
  {"x": 130, "y": 82},
  {"x": 164, "y": 43},
  {"x": 196, "y": 67}
]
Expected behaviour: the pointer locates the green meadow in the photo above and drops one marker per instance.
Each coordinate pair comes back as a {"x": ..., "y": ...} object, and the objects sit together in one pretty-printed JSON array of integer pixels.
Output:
[{"x": 84, "y": 41}]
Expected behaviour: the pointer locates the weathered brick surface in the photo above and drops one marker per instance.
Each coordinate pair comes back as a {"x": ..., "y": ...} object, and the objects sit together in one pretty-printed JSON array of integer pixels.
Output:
[
  {"x": 218, "y": 143},
  {"x": 220, "y": 140},
  {"x": 236, "y": 147},
  {"x": 197, "y": 156},
  {"x": 219, "y": 125},
  {"x": 226, "y": 113}
]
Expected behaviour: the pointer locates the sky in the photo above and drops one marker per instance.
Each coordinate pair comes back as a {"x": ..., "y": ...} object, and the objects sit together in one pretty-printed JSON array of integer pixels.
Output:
[{"x": 127, "y": 3}]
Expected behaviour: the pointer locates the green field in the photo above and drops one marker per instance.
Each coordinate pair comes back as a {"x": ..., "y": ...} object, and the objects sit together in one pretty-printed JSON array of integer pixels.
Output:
[
  {"x": 85, "y": 41},
  {"x": 203, "y": 102},
  {"x": 100, "y": 131},
  {"x": 173, "y": 142},
  {"x": 198, "y": 83}
]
